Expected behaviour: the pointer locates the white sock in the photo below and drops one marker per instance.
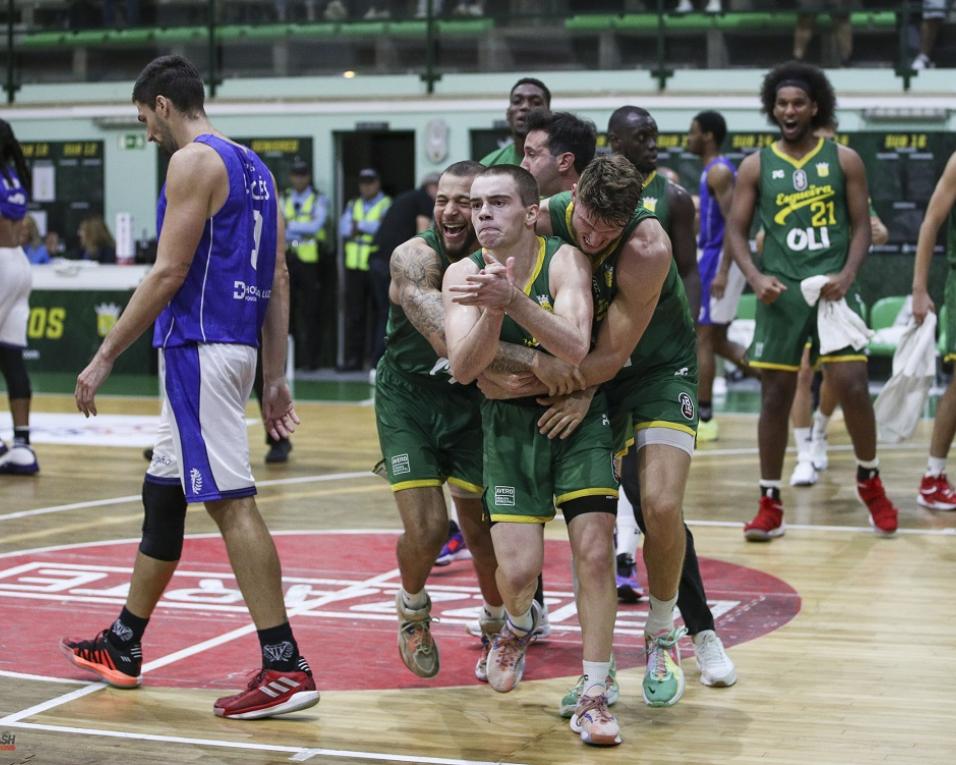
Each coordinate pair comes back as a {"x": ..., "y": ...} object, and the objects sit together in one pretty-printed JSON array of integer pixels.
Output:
[
  {"x": 935, "y": 466},
  {"x": 414, "y": 601},
  {"x": 521, "y": 625},
  {"x": 661, "y": 617},
  {"x": 628, "y": 534},
  {"x": 494, "y": 612},
  {"x": 801, "y": 437},
  {"x": 868, "y": 464},
  {"x": 820, "y": 422},
  {"x": 595, "y": 674}
]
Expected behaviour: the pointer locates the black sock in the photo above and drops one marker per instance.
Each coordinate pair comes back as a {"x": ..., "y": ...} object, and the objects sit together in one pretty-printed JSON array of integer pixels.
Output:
[
  {"x": 770, "y": 491},
  {"x": 865, "y": 474},
  {"x": 706, "y": 411},
  {"x": 539, "y": 593},
  {"x": 21, "y": 436},
  {"x": 279, "y": 649},
  {"x": 127, "y": 630}
]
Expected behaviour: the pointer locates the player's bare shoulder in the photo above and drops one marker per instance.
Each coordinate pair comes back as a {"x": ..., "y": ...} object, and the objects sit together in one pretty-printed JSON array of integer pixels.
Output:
[
  {"x": 849, "y": 158},
  {"x": 646, "y": 255}
]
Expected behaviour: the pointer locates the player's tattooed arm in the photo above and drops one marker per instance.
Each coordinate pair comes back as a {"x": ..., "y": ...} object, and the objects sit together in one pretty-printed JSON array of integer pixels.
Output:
[{"x": 417, "y": 272}]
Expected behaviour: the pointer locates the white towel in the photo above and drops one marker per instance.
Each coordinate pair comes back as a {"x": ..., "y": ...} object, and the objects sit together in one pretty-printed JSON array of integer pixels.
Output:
[
  {"x": 900, "y": 403},
  {"x": 837, "y": 325}
]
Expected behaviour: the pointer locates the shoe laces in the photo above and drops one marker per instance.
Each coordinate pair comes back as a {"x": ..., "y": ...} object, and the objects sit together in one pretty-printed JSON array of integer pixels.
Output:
[
  {"x": 659, "y": 647},
  {"x": 419, "y": 635},
  {"x": 510, "y": 647},
  {"x": 596, "y": 706},
  {"x": 710, "y": 649}
]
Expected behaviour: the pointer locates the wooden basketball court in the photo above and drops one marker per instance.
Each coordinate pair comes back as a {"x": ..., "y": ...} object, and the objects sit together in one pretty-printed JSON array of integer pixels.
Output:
[{"x": 862, "y": 673}]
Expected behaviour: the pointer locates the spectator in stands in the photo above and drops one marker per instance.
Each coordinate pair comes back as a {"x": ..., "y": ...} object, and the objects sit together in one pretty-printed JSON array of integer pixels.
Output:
[
  {"x": 526, "y": 94},
  {"x": 31, "y": 242},
  {"x": 934, "y": 13},
  {"x": 96, "y": 241},
  {"x": 410, "y": 214},
  {"x": 357, "y": 227},
  {"x": 306, "y": 213},
  {"x": 53, "y": 243},
  {"x": 839, "y": 11}
]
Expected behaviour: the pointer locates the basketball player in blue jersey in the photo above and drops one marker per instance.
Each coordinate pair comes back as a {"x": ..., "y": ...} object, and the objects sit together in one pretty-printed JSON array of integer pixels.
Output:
[
  {"x": 220, "y": 259},
  {"x": 707, "y": 132},
  {"x": 15, "y": 283}
]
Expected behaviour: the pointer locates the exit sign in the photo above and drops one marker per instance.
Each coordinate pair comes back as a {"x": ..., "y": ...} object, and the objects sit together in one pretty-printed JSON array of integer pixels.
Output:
[{"x": 131, "y": 141}]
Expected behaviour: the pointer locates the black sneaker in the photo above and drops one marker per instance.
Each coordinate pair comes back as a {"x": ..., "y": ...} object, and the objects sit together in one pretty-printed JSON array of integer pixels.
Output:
[
  {"x": 120, "y": 667},
  {"x": 279, "y": 451}
]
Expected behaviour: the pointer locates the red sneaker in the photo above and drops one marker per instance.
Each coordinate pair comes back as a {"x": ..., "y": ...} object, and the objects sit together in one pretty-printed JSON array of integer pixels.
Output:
[
  {"x": 268, "y": 694},
  {"x": 767, "y": 523},
  {"x": 936, "y": 493},
  {"x": 883, "y": 513}
]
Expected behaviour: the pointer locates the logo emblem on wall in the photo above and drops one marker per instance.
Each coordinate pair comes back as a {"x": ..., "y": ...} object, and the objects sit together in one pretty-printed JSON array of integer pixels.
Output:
[
  {"x": 106, "y": 316},
  {"x": 799, "y": 179}
]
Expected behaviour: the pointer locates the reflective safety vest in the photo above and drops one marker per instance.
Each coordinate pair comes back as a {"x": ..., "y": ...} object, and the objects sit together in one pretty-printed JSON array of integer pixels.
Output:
[
  {"x": 306, "y": 250},
  {"x": 360, "y": 246}
]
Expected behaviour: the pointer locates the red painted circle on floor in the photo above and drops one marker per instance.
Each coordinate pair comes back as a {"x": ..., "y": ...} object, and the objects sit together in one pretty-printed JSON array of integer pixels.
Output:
[{"x": 345, "y": 584}]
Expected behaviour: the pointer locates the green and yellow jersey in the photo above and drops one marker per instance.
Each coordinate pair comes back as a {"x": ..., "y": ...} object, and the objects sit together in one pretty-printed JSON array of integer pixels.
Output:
[
  {"x": 803, "y": 212},
  {"x": 654, "y": 198},
  {"x": 506, "y": 155}
]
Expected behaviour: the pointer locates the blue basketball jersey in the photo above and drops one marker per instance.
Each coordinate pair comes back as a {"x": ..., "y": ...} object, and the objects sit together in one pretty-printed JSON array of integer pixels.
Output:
[
  {"x": 13, "y": 197},
  {"x": 226, "y": 292},
  {"x": 711, "y": 236}
]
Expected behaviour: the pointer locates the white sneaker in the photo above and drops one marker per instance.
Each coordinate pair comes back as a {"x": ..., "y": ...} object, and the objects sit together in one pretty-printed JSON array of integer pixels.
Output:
[
  {"x": 921, "y": 62},
  {"x": 818, "y": 452},
  {"x": 543, "y": 628},
  {"x": 714, "y": 6},
  {"x": 803, "y": 474},
  {"x": 684, "y": 6},
  {"x": 19, "y": 459},
  {"x": 716, "y": 668}
]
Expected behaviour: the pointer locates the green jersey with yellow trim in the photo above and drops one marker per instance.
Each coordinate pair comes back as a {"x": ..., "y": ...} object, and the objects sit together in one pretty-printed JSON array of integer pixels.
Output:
[
  {"x": 538, "y": 289},
  {"x": 670, "y": 339},
  {"x": 654, "y": 199},
  {"x": 405, "y": 348},
  {"x": 803, "y": 210}
]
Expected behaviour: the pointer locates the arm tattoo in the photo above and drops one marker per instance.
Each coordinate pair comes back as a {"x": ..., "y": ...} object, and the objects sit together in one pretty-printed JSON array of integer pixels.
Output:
[
  {"x": 419, "y": 278},
  {"x": 512, "y": 358}
]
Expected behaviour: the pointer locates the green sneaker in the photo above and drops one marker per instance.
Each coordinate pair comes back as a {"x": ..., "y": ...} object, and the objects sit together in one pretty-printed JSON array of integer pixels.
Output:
[
  {"x": 570, "y": 700},
  {"x": 663, "y": 683}
]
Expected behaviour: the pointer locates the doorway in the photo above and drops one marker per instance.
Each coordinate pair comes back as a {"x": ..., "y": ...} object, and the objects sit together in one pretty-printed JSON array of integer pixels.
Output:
[{"x": 392, "y": 154}]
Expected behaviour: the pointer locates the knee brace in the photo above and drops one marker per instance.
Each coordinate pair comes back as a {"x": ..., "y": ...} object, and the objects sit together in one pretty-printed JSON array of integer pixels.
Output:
[
  {"x": 15, "y": 372},
  {"x": 590, "y": 504},
  {"x": 164, "y": 522}
]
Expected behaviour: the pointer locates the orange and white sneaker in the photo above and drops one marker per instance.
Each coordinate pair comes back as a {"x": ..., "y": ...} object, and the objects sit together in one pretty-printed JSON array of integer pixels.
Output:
[
  {"x": 883, "y": 513},
  {"x": 767, "y": 523},
  {"x": 416, "y": 645},
  {"x": 489, "y": 631},
  {"x": 936, "y": 493},
  {"x": 120, "y": 667},
  {"x": 506, "y": 659},
  {"x": 596, "y": 724},
  {"x": 270, "y": 693}
]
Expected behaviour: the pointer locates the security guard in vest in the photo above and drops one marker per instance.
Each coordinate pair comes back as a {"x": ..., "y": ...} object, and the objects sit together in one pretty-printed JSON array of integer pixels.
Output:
[
  {"x": 306, "y": 213},
  {"x": 357, "y": 227}
]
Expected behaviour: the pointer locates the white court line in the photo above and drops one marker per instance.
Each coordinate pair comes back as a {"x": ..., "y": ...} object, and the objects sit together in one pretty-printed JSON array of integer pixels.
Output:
[
  {"x": 43, "y": 678},
  {"x": 880, "y": 448},
  {"x": 43, "y": 706},
  {"x": 839, "y": 529},
  {"x": 136, "y": 497},
  {"x": 300, "y": 754}
]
